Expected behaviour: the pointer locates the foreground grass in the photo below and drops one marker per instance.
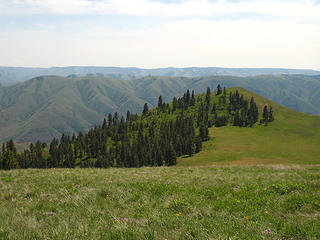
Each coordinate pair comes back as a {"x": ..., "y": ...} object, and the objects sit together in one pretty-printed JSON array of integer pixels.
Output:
[{"x": 274, "y": 202}]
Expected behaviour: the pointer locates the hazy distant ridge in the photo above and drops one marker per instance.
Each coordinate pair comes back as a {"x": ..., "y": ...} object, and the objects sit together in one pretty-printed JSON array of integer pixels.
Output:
[{"x": 11, "y": 75}]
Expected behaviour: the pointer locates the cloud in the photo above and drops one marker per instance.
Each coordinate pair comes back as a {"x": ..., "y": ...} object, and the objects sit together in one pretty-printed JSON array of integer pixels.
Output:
[
  {"x": 192, "y": 42},
  {"x": 178, "y": 33},
  {"x": 301, "y": 9}
]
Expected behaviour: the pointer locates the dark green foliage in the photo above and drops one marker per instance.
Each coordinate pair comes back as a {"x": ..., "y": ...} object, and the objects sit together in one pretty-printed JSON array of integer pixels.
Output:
[
  {"x": 271, "y": 118},
  {"x": 267, "y": 115},
  {"x": 208, "y": 96},
  {"x": 154, "y": 138},
  {"x": 244, "y": 113},
  {"x": 219, "y": 90},
  {"x": 145, "y": 109},
  {"x": 8, "y": 156}
]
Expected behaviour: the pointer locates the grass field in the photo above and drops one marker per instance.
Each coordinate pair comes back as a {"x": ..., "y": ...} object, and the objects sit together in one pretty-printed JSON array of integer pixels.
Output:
[
  {"x": 260, "y": 202},
  {"x": 293, "y": 138}
]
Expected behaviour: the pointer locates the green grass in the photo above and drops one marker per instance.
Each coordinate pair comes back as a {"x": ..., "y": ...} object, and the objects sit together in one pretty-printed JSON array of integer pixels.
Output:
[
  {"x": 260, "y": 202},
  {"x": 293, "y": 138}
]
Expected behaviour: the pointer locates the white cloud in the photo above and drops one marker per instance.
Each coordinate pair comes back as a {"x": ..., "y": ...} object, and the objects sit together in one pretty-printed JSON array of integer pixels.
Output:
[
  {"x": 302, "y": 9},
  {"x": 291, "y": 38},
  {"x": 193, "y": 42}
]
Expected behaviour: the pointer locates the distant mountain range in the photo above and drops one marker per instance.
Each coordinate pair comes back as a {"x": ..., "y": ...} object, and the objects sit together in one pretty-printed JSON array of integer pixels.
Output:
[
  {"x": 45, "y": 107},
  {"x": 12, "y": 75}
]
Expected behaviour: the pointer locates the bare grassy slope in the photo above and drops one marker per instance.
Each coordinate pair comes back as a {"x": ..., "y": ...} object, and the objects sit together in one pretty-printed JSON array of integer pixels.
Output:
[{"x": 293, "y": 137}]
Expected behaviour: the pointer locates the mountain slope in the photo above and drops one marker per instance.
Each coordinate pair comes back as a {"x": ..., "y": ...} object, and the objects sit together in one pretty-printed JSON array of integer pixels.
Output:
[
  {"x": 292, "y": 138},
  {"x": 12, "y": 75},
  {"x": 45, "y": 107}
]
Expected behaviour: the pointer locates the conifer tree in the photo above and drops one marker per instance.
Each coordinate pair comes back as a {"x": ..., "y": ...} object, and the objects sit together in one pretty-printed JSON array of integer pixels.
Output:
[
  {"x": 145, "y": 109},
  {"x": 193, "y": 101},
  {"x": 160, "y": 102},
  {"x": 270, "y": 115},
  {"x": 172, "y": 158},
  {"x": 265, "y": 115},
  {"x": 219, "y": 90},
  {"x": 208, "y": 95}
]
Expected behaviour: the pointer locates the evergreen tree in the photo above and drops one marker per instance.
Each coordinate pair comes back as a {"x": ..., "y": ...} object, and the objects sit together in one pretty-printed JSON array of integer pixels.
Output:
[
  {"x": 219, "y": 90},
  {"x": 160, "y": 103},
  {"x": 171, "y": 157},
  {"x": 270, "y": 115},
  {"x": 193, "y": 101},
  {"x": 265, "y": 115},
  {"x": 145, "y": 109},
  {"x": 208, "y": 95}
]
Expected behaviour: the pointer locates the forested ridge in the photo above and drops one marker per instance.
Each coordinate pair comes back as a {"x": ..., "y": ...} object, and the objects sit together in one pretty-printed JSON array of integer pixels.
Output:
[
  {"x": 156, "y": 137},
  {"x": 49, "y": 106}
]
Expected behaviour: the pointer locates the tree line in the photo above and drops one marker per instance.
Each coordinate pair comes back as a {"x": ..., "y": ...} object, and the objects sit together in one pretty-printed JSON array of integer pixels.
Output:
[{"x": 156, "y": 137}]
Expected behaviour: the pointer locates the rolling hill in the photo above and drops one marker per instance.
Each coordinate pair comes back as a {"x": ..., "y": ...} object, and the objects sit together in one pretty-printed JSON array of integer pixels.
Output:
[
  {"x": 45, "y": 107},
  {"x": 293, "y": 138}
]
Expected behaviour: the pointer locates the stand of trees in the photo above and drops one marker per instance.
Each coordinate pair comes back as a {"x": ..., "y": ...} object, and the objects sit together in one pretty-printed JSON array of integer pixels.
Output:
[{"x": 154, "y": 138}]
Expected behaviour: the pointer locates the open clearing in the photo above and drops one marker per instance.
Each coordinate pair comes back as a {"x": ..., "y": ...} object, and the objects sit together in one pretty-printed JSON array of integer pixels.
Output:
[
  {"x": 293, "y": 138},
  {"x": 236, "y": 202}
]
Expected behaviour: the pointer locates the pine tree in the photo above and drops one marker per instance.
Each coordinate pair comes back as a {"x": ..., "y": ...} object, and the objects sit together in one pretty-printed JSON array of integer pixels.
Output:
[
  {"x": 128, "y": 118},
  {"x": 219, "y": 90},
  {"x": 9, "y": 160},
  {"x": 172, "y": 158},
  {"x": 193, "y": 101},
  {"x": 265, "y": 115},
  {"x": 271, "y": 118},
  {"x": 208, "y": 95},
  {"x": 145, "y": 109},
  {"x": 160, "y": 103}
]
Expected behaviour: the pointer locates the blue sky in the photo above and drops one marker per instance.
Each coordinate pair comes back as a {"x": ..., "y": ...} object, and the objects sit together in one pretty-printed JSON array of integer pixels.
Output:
[{"x": 152, "y": 33}]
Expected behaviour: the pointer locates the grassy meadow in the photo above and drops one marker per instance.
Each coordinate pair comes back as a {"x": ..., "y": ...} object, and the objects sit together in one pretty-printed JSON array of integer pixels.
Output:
[
  {"x": 293, "y": 138},
  {"x": 231, "y": 202}
]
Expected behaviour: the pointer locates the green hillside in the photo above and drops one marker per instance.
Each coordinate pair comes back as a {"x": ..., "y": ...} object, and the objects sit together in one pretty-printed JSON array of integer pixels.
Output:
[
  {"x": 45, "y": 107},
  {"x": 293, "y": 138},
  {"x": 156, "y": 137}
]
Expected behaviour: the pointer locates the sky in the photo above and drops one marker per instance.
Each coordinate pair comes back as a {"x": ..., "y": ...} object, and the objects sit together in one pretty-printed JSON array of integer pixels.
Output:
[{"x": 160, "y": 33}]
